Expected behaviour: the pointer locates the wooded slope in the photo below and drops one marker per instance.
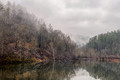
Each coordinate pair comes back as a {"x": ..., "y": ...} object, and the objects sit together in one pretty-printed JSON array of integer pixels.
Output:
[{"x": 23, "y": 36}]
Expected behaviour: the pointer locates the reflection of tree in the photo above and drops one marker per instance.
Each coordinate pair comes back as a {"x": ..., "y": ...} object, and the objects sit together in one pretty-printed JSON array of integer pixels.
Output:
[
  {"x": 59, "y": 71},
  {"x": 41, "y": 71},
  {"x": 104, "y": 71},
  {"x": 51, "y": 75}
]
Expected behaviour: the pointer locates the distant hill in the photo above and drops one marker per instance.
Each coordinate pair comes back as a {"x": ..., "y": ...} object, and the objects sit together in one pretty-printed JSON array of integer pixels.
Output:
[{"x": 106, "y": 44}]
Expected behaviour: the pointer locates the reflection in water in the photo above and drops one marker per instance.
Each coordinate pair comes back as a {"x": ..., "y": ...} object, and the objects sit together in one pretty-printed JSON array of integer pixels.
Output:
[
  {"x": 83, "y": 70},
  {"x": 83, "y": 75}
]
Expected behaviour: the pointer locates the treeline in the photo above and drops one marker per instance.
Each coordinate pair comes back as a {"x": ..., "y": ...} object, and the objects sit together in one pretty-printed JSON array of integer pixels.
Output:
[
  {"x": 24, "y": 36},
  {"x": 107, "y": 44}
]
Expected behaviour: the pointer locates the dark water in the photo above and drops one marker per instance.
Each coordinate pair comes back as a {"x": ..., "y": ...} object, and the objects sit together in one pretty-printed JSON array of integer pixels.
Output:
[{"x": 84, "y": 70}]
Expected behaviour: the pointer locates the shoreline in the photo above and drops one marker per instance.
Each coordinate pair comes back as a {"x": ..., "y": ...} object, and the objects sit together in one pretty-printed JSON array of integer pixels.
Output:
[{"x": 35, "y": 60}]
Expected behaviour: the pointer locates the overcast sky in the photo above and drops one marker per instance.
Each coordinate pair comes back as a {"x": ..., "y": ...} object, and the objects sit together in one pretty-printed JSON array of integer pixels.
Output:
[{"x": 79, "y": 18}]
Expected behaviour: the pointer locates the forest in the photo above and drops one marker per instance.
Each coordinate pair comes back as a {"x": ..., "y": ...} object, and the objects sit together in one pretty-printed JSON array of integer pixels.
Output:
[
  {"x": 107, "y": 44},
  {"x": 23, "y": 37}
]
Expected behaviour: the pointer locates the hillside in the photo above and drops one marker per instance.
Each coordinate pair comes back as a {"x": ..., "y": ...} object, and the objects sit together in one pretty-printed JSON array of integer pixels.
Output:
[
  {"x": 23, "y": 37},
  {"x": 107, "y": 44}
]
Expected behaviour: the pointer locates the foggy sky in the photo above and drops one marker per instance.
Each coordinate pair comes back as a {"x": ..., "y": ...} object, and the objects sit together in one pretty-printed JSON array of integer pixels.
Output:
[{"x": 80, "y": 19}]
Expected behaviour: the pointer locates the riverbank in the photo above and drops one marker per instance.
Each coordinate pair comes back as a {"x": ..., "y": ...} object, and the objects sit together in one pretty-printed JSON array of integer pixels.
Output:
[
  {"x": 102, "y": 59},
  {"x": 45, "y": 56}
]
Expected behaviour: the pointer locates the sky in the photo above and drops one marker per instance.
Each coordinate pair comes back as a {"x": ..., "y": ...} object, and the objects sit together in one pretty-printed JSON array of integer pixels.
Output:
[{"x": 81, "y": 19}]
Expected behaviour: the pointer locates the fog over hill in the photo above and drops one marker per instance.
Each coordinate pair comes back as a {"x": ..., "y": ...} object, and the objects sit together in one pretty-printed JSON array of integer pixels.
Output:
[{"x": 76, "y": 17}]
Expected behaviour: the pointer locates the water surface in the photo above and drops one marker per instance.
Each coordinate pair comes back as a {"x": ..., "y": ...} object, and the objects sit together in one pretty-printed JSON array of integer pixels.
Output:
[{"x": 80, "y": 70}]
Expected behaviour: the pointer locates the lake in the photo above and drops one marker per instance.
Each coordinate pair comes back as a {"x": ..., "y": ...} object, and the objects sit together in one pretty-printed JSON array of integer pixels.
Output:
[{"x": 78, "y": 70}]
